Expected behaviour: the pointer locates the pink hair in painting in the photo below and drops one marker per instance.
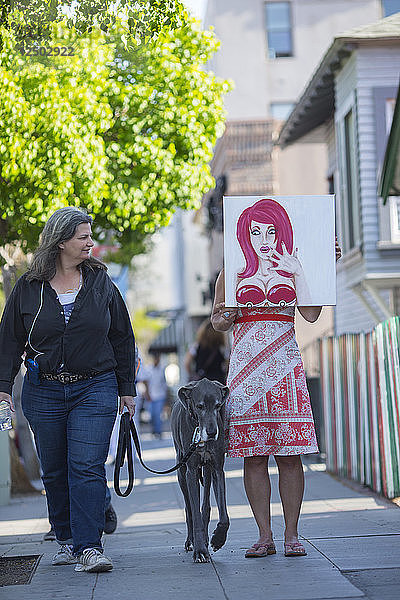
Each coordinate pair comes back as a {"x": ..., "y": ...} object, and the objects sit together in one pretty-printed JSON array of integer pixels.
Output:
[{"x": 263, "y": 211}]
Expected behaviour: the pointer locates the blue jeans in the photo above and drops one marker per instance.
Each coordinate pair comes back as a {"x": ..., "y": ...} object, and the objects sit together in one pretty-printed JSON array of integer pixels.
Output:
[
  {"x": 72, "y": 426},
  {"x": 156, "y": 408}
]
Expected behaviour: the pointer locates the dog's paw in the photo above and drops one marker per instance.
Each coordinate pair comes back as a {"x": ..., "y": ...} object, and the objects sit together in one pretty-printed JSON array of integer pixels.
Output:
[
  {"x": 201, "y": 556},
  {"x": 188, "y": 545},
  {"x": 219, "y": 536}
]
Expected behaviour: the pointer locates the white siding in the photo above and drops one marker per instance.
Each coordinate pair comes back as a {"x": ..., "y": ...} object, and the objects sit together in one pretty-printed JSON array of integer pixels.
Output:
[
  {"x": 351, "y": 316},
  {"x": 367, "y": 68}
]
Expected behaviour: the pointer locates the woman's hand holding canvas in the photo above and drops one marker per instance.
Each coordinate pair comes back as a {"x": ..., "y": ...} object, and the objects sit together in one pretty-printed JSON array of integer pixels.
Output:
[{"x": 291, "y": 264}]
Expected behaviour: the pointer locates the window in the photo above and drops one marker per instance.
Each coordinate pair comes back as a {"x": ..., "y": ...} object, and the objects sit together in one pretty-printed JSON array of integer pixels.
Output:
[
  {"x": 279, "y": 29},
  {"x": 350, "y": 180},
  {"x": 389, "y": 214},
  {"x": 390, "y": 7},
  {"x": 280, "y": 110},
  {"x": 394, "y": 201}
]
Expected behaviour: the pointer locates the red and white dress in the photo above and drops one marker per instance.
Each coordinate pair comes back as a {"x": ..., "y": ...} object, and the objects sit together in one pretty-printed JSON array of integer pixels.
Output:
[{"x": 268, "y": 408}]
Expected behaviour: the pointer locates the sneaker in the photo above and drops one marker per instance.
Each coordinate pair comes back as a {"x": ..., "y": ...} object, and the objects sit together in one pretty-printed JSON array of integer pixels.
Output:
[
  {"x": 93, "y": 560},
  {"x": 50, "y": 535},
  {"x": 111, "y": 520},
  {"x": 64, "y": 556}
]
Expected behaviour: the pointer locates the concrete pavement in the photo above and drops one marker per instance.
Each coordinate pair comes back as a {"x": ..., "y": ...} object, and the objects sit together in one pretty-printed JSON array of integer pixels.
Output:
[{"x": 352, "y": 539}]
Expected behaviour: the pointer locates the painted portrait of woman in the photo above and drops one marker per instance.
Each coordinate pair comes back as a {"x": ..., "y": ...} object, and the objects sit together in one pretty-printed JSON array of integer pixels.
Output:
[{"x": 273, "y": 274}]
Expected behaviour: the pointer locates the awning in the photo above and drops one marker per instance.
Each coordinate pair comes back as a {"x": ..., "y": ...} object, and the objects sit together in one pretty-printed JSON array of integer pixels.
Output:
[
  {"x": 167, "y": 340},
  {"x": 389, "y": 184}
]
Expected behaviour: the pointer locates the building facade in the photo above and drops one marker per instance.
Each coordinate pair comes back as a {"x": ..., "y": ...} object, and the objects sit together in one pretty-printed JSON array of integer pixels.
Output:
[
  {"x": 358, "y": 80},
  {"x": 270, "y": 49}
]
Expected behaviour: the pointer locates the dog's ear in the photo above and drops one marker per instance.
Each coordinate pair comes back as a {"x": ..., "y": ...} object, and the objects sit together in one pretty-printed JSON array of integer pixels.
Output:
[
  {"x": 185, "y": 393},
  {"x": 224, "y": 390}
]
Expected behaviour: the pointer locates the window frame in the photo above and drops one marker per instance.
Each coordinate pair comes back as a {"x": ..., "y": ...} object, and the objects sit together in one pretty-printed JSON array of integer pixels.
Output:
[
  {"x": 270, "y": 54},
  {"x": 389, "y": 215},
  {"x": 349, "y": 213},
  {"x": 277, "y": 105}
]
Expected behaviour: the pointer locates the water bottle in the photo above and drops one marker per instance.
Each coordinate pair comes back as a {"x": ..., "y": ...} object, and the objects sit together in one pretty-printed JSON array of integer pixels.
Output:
[{"x": 5, "y": 416}]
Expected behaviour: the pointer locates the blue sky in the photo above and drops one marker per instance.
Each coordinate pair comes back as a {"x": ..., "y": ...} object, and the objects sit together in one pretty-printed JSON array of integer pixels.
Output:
[{"x": 196, "y": 6}]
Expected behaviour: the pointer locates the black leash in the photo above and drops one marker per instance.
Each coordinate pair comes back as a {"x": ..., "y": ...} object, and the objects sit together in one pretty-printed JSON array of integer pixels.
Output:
[{"x": 126, "y": 429}]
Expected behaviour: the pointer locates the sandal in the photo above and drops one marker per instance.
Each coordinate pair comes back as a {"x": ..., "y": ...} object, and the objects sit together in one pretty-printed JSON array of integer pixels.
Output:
[
  {"x": 294, "y": 549},
  {"x": 260, "y": 550}
]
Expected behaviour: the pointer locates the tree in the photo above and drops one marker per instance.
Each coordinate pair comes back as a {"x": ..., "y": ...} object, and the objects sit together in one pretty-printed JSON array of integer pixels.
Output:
[
  {"x": 168, "y": 112},
  {"x": 142, "y": 20},
  {"x": 52, "y": 117},
  {"x": 127, "y": 134}
]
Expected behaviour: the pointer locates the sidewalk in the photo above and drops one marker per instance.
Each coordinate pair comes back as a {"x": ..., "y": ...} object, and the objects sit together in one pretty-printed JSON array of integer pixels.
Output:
[{"x": 352, "y": 538}]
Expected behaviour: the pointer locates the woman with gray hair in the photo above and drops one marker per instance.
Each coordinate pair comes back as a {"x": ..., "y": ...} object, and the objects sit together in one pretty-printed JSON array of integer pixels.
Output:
[{"x": 71, "y": 322}]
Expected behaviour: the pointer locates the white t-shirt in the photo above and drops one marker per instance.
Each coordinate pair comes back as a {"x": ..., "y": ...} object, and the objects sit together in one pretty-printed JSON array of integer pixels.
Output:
[{"x": 155, "y": 378}]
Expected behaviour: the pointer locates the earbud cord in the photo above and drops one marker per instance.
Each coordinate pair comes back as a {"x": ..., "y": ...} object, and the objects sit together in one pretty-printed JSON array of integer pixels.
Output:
[{"x": 33, "y": 323}]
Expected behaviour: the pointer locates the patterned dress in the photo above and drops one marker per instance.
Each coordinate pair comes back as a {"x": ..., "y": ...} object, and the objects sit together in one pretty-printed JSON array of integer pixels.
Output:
[{"x": 268, "y": 409}]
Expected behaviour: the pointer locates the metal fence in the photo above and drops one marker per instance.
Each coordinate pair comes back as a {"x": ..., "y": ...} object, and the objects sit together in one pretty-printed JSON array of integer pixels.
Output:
[{"x": 360, "y": 383}]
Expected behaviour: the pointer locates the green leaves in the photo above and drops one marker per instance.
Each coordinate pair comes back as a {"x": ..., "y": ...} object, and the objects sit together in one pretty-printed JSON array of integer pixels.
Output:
[
  {"x": 127, "y": 134},
  {"x": 141, "y": 20}
]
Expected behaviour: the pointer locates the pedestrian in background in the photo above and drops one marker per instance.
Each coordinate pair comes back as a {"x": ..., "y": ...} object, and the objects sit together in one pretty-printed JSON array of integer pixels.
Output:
[
  {"x": 72, "y": 323},
  {"x": 268, "y": 410},
  {"x": 207, "y": 358},
  {"x": 156, "y": 392}
]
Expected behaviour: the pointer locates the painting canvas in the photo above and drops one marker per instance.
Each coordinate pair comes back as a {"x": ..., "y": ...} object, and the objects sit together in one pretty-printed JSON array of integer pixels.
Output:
[{"x": 279, "y": 251}]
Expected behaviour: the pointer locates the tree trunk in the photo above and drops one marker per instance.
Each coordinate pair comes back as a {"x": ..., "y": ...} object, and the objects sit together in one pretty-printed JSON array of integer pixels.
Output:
[
  {"x": 8, "y": 275},
  {"x": 20, "y": 483},
  {"x": 25, "y": 444},
  {"x": 29, "y": 468}
]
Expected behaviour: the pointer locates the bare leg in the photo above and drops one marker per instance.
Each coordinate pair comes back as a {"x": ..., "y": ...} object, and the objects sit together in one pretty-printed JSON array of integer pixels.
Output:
[
  {"x": 258, "y": 491},
  {"x": 291, "y": 489}
]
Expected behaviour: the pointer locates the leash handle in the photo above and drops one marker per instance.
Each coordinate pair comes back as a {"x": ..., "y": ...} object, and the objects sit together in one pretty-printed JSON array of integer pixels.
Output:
[
  {"x": 126, "y": 429},
  {"x": 124, "y": 447}
]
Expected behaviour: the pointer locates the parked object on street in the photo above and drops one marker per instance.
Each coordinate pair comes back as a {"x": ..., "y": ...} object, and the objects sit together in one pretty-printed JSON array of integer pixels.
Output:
[{"x": 198, "y": 415}]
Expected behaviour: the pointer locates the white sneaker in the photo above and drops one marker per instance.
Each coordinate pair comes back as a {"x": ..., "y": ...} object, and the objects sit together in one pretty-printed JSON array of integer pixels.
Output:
[
  {"x": 93, "y": 561},
  {"x": 64, "y": 556}
]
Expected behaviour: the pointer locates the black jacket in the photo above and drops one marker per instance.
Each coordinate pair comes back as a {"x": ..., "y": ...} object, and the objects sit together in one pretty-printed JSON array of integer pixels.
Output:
[{"x": 97, "y": 338}]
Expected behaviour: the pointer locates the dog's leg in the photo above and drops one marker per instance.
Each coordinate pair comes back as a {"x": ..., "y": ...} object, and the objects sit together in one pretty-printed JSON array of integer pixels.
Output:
[
  {"x": 188, "y": 510},
  {"x": 206, "y": 507},
  {"x": 220, "y": 532},
  {"x": 200, "y": 551}
]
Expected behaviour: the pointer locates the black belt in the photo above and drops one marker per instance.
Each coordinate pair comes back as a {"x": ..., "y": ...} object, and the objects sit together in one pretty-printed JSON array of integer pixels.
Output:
[{"x": 66, "y": 377}]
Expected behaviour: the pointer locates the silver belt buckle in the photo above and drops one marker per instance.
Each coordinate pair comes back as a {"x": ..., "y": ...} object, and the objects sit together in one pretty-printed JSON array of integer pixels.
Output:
[{"x": 64, "y": 377}]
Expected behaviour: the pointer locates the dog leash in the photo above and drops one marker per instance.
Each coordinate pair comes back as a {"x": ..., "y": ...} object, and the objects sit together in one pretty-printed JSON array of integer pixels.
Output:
[{"x": 127, "y": 429}]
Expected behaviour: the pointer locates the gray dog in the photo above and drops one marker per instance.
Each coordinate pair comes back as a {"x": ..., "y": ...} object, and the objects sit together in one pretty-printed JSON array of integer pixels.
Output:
[{"x": 201, "y": 405}]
